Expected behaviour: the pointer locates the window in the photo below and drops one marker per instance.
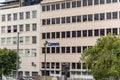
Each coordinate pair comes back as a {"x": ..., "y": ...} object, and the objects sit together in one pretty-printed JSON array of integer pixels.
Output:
[
  {"x": 115, "y": 31},
  {"x": 27, "y": 52},
  {"x": 9, "y": 17},
  {"x": 67, "y": 4},
  {"x": 84, "y": 47},
  {"x": 27, "y": 40},
  {"x": 84, "y": 33},
  {"x": 63, "y": 20},
  {"x": 27, "y": 27},
  {"x": 34, "y": 39},
  {"x": 48, "y": 7},
  {"x": 73, "y": 65},
  {"x": 43, "y": 22},
  {"x": 53, "y": 49},
  {"x": 53, "y": 6},
  {"x": 68, "y": 34},
  {"x": 102, "y": 1},
  {"x": 63, "y": 5},
  {"x": 53, "y": 34},
  {"x": 34, "y": 27},
  {"x": 21, "y": 40},
  {"x": 53, "y": 20},
  {"x": 68, "y": 20},
  {"x": 78, "y": 3},
  {"x": 96, "y": 2},
  {"x": 57, "y": 65},
  {"x": 108, "y": 31},
  {"x": 78, "y": 33},
  {"x": 43, "y": 49},
  {"x": 48, "y": 65},
  {"x": 57, "y": 49},
  {"x": 90, "y": 2},
  {"x": 78, "y": 18},
  {"x": 57, "y": 20},
  {"x": 96, "y": 32},
  {"x": 73, "y": 19},
  {"x": 2, "y": 29},
  {"x": 102, "y": 32},
  {"x": 43, "y": 8},
  {"x": 9, "y": 40},
  {"x": 102, "y": 16},
  {"x": 2, "y": 41},
  {"x": 57, "y": 34},
  {"x": 84, "y": 2},
  {"x": 84, "y": 18},
  {"x": 63, "y": 35},
  {"x": 14, "y": 16},
  {"x": 73, "y": 33},
  {"x": 96, "y": 17},
  {"x": 74, "y": 4},
  {"x": 34, "y": 14},
  {"x": 14, "y": 40},
  {"x": 62, "y": 49},
  {"x": 73, "y": 49},
  {"x": 34, "y": 54},
  {"x": 108, "y": 15},
  {"x": 57, "y": 6},
  {"x": 21, "y": 28},
  {"x": 90, "y": 33},
  {"x": 78, "y": 49},
  {"x": 20, "y": 52},
  {"x": 43, "y": 35},
  {"x": 114, "y": 1},
  {"x": 114, "y": 15},
  {"x": 28, "y": 15},
  {"x": 90, "y": 17},
  {"x": 48, "y": 49},
  {"x": 108, "y": 1},
  {"x": 67, "y": 49},
  {"x": 9, "y": 29},
  {"x": 3, "y": 18},
  {"x": 48, "y": 35},
  {"x": 52, "y": 65},
  {"x": 15, "y": 28},
  {"x": 78, "y": 65},
  {"x": 48, "y": 21},
  {"x": 21, "y": 15}
]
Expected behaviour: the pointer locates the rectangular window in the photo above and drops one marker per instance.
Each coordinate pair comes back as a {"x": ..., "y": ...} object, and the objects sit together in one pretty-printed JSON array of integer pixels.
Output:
[
  {"x": 102, "y": 32},
  {"x": 34, "y": 39},
  {"x": 14, "y": 28},
  {"x": 53, "y": 49},
  {"x": 78, "y": 3},
  {"x": 48, "y": 35},
  {"x": 108, "y": 1},
  {"x": 53, "y": 6},
  {"x": 53, "y": 20},
  {"x": 34, "y": 27},
  {"x": 96, "y": 32},
  {"x": 34, "y": 52},
  {"x": 43, "y": 22},
  {"x": 78, "y": 49},
  {"x": 3, "y": 18},
  {"x": 102, "y": 1},
  {"x": 84, "y": 2},
  {"x": 53, "y": 34},
  {"x": 90, "y": 2},
  {"x": 78, "y": 18},
  {"x": 47, "y": 7},
  {"x": 68, "y": 19},
  {"x": 43, "y": 36},
  {"x": 90, "y": 33},
  {"x": 63, "y": 5},
  {"x": 57, "y": 6},
  {"x": 108, "y": 31},
  {"x": 14, "y": 16},
  {"x": 78, "y": 65},
  {"x": 21, "y": 28},
  {"x": 27, "y": 27},
  {"x": 57, "y": 34},
  {"x": 9, "y": 40},
  {"x": 63, "y": 35},
  {"x": 43, "y": 49},
  {"x": 20, "y": 52},
  {"x": 57, "y": 65},
  {"x": 48, "y": 22},
  {"x": 114, "y": 1},
  {"x": 90, "y": 17},
  {"x": 28, "y": 15},
  {"x": 73, "y": 49},
  {"x": 108, "y": 15},
  {"x": 102, "y": 16},
  {"x": 68, "y": 4},
  {"x": 9, "y": 17},
  {"x": 84, "y": 18},
  {"x": 2, "y": 41},
  {"x": 2, "y": 29},
  {"x": 73, "y": 19},
  {"x": 14, "y": 40},
  {"x": 57, "y": 20},
  {"x": 48, "y": 49},
  {"x": 115, "y": 31},
  {"x": 73, "y": 33},
  {"x": 27, "y": 40},
  {"x": 96, "y": 2},
  {"x": 79, "y": 33},
  {"x": 74, "y": 4},
  {"x": 34, "y": 14},
  {"x": 68, "y": 34},
  {"x": 21, "y": 15},
  {"x": 9, "y": 29},
  {"x": 27, "y": 52},
  {"x": 43, "y": 8},
  {"x": 114, "y": 15},
  {"x": 63, "y": 20},
  {"x": 84, "y": 33},
  {"x": 62, "y": 49},
  {"x": 96, "y": 17},
  {"x": 21, "y": 40},
  {"x": 73, "y": 65},
  {"x": 57, "y": 49},
  {"x": 67, "y": 49}
]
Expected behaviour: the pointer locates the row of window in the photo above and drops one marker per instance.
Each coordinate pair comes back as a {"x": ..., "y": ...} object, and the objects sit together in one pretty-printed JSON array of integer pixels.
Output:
[
  {"x": 57, "y": 65},
  {"x": 81, "y": 18},
  {"x": 80, "y": 33},
  {"x": 74, "y": 4},
  {"x": 64, "y": 49},
  {"x": 19, "y": 16},
  {"x": 19, "y": 28},
  {"x": 27, "y": 52},
  {"x": 22, "y": 40}
]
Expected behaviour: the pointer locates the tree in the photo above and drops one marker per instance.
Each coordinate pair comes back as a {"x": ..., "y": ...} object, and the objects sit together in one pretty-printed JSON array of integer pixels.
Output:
[
  {"x": 7, "y": 61},
  {"x": 103, "y": 59}
]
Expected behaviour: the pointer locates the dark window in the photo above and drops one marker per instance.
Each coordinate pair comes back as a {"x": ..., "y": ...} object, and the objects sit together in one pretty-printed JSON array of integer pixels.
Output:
[
  {"x": 43, "y": 50},
  {"x": 48, "y": 35},
  {"x": 78, "y": 18},
  {"x": 73, "y": 65},
  {"x": 115, "y": 31},
  {"x": 73, "y": 19},
  {"x": 96, "y": 32},
  {"x": 90, "y": 17},
  {"x": 68, "y": 34},
  {"x": 78, "y": 49},
  {"x": 9, "y": 29},
  {"x": 102, "y": 32},
  {"x": 68, "y": 19},
  {"x": 57, "y": 49},
  {"x": 15, "y": 28},
  {"x": 78, "y": 65},
  {"x": 84, "y": 47},
  {"x": 74, "y": 49},
  {"x": 78, "y": 3},
  {"x": 53, "y": 20},
  {"x": 53, "y": 6},
  {"x": 57, "y": 34},
  {"x": 108, "y": 1},
  {"x": 114, "y": 1},
  {"x": 57, "y": 6},
  {"x": 48, "y": 7},
  {"x": 74, "y": 4},
  {"x": 102, "y": 1},
  {"x": 52, "y": 65},
  {"x": 63, "y": 5},
  {"x": 115, "y": 15},
  {"x": 43, "y": 35},
  {"x": 96, "y": 2},
  {"x": 68, "y": 5},
  {"x": 48, "y": 49},
  {"x": 102, "y": 16},
  {"x": 43, "y": 8},
  {"x": 48, "y": 21},
  {"x": 108, "y": 31},
  {"x": 57, "y": 65},
  {"x": 84, "y": 2},
  {"x": 67, "y": 49},
  {"x": 108, "y": 15},
  {"x": 84, "y": 18},
  {"x": 84, "y": 33},
  {"x": 53, "y": 34},
  {"x": 63, "y": 20},
  {"x": 57, "y": 20},
  {"x": 53, "y": 49},
  {"x": 96, "y": 17},
  {"x": 48, "y": 65},
  {"x": 43, "y": 65},
  {"x": 63, "y": 35},
  {"x": 62, "y": 49},
  {"x": 78, "y": 33},
  {"x": 43, "y": 22},
  {"x": 73, "y": 33},
  {"x": 90, "y": 32},
  {"x": 90, "y": 2}
]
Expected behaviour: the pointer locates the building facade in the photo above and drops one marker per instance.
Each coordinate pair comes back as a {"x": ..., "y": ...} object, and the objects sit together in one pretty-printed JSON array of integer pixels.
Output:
[{"x": 66, "y": 27}]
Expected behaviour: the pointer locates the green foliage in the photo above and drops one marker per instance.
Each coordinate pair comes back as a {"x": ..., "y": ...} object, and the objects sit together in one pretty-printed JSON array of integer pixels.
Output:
[
  {"x": 7, "y": 61},
  {"x": 103, "y": 58}
]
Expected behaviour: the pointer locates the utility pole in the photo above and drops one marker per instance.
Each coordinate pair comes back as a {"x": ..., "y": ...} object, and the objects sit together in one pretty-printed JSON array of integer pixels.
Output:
[{"x": 17, "y": 56}]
